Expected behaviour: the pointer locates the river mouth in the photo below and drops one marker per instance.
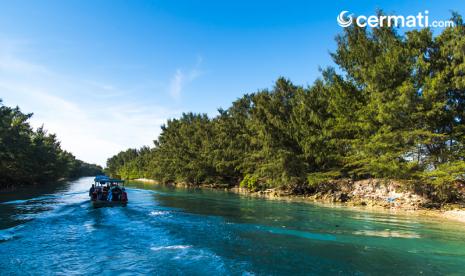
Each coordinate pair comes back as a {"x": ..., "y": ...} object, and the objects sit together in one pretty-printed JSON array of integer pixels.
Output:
[{"x": 181, "y": 231}]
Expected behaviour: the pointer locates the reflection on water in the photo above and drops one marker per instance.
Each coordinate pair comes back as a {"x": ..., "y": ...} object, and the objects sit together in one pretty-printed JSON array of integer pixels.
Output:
[
  {"x": 388, "y": 234},
  {"x": 195, "y": 232}
]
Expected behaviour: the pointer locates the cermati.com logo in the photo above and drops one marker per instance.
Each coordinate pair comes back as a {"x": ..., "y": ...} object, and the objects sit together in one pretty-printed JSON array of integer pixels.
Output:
[{"x": 345, "y": 19}]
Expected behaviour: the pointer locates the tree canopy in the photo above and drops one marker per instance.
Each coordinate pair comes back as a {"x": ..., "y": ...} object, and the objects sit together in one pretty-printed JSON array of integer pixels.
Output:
[
  {"x": 393, "y": 108},
  {"x": 29, "y": 156}
]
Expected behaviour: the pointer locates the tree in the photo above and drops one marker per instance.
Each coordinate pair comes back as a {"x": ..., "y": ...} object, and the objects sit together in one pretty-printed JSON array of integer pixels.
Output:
[
  {"x": 393, "y": 108},
  {"x": 29, "y": 156}
]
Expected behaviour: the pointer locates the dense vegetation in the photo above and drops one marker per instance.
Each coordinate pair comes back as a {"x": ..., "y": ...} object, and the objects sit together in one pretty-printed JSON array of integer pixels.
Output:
[
  {"x": 29, "y": 156},
  {"x": 394, "y": 108}
]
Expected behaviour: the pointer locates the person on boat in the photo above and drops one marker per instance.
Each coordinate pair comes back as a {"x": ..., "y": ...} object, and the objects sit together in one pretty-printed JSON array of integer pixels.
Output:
[
  {"x": 124, "y": 195},
  {"x": 99, "y": 193},
  {"x": 116, "y": 191},
  {"x": 94, "y": 194},
  {"x": 110, "y": 195},
  {"x": 105, "y": 192},
  {"x": 91, "y": 190}
]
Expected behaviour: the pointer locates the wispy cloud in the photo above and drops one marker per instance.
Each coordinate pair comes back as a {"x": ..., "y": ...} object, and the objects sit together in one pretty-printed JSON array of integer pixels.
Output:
[
  {"x": 93, "y": 119},
  {"x": 176, "y": 84},
  {"x": 180, "y": 79}
]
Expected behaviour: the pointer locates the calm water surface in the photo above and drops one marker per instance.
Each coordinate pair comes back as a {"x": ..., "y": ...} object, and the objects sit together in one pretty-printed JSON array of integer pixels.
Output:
[{"x": 178, "y": 231}]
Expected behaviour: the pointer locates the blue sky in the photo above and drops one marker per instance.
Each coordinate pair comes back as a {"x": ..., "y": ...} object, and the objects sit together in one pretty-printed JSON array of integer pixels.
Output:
[{"x": 104, "y": 75}]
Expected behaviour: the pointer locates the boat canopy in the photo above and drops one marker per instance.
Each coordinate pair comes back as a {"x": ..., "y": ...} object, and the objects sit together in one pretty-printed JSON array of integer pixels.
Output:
[
  {"x": 102, "y": 179},
  {"x": 99, "y": 178}
]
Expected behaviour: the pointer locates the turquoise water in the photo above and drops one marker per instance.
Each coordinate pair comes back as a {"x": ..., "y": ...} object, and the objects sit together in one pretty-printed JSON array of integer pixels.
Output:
[{"x": 178, "y": 231}]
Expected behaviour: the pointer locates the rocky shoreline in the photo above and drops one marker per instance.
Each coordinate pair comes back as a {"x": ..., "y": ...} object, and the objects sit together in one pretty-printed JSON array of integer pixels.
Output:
[{"x": 371, "y": 194}]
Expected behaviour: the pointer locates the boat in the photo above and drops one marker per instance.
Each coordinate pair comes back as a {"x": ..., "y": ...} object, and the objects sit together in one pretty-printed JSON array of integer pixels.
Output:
[{"x": 108, "y": 192}]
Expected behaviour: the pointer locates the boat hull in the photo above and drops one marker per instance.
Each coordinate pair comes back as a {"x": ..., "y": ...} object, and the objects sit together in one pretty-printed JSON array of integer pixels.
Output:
[{"x": 106, "y": 203}]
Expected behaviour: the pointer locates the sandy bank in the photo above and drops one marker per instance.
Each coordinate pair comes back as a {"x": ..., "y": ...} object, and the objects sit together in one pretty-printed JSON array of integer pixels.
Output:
[
  {"x": 145, "y": 180},
  {"x": 458, "y": 215}
]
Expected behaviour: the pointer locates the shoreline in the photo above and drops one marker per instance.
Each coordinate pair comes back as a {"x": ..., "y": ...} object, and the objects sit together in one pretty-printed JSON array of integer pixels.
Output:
[{"x": 449, "y": 212}]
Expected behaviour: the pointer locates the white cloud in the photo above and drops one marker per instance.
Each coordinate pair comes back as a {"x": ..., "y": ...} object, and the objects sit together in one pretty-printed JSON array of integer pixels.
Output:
[
  {"x": 94, "y": 120},
  {"x": 176, "y": 84},
  {"x": 180, "y": 79}
]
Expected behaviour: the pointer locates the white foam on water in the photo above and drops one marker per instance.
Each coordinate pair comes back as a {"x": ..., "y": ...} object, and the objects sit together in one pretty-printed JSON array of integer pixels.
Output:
[
  {"x": 171, "y": 247},
  {"x": 89, "y": 227},
  {"x": 10, "y": 233},
  {"x": 158, "y": 213}
]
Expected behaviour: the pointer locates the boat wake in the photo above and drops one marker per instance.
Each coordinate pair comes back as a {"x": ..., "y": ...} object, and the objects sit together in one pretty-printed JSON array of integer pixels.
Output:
[{"x": 63, "y": 233}]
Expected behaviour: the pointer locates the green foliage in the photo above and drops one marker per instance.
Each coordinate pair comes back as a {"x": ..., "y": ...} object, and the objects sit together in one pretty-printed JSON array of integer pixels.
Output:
[
  {"x": 250, "y": 182},
  {"x": 395, "y": 108},
  {"x": 446, "y": 173},
  {"x": 445, "y": 181},
  {"x": 30, "y": 156},
  {"x": 314, "y": 179}
]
